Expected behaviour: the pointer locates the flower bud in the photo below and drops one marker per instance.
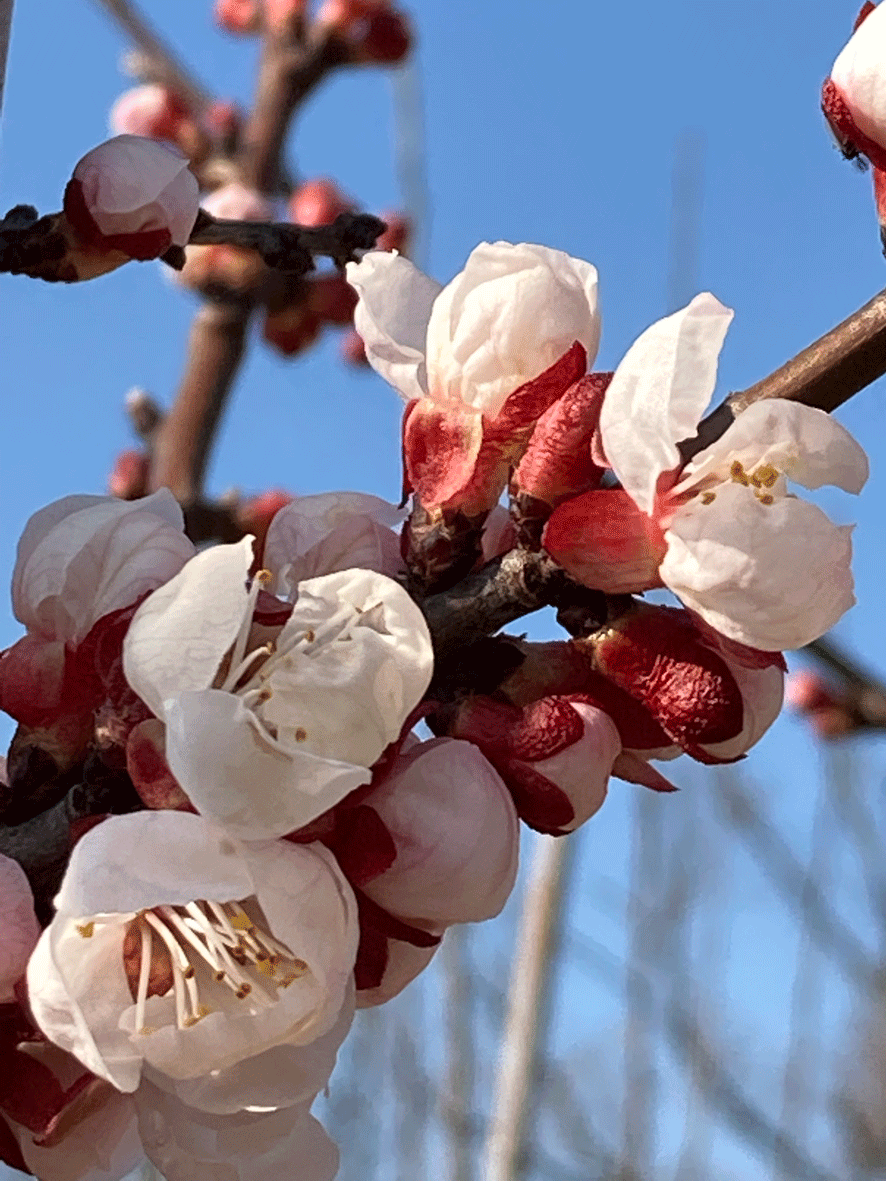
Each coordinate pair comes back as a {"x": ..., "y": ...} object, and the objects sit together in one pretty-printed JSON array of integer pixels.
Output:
[
  {"x": 132, "y": 195},
  {"x": 152, "y": 111},
  {"x": 555, "y": 755},
  {"x": 854, "y": 97},
  {"x": 238, "y": 16},
  {"x": 318, "y": 202},
  {"x": 210, "y": 268}
]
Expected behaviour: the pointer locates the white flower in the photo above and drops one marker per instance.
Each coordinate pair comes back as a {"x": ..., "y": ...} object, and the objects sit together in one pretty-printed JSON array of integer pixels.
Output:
[
  {"x": 859, "y": 73},
  {"x": 134, "y": 185},
  {"x": 82, "y": 557},
  {"x": 502, "y": 321},
  {"x": 264, "y": 741},
  {"x": 333, "y": 531},
  {"x": 759, "y": 565},
  {"x": 176, "y": 946}
]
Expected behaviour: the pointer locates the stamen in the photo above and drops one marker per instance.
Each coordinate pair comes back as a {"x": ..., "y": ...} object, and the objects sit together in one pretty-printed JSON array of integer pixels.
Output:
[
  {"x": 262, "y": 578},
  {"x": 765, "y": 476},
  {"x": 738, "y": 475},
  {"x": 144, "y": 972}
]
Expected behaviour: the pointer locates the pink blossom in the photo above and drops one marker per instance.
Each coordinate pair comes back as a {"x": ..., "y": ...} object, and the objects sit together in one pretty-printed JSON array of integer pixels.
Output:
[
  {"x": 456, "y": 834},
  {"x": 555, "y": 755},
  {"x": 19, "y": 929},
  {"x": 132, "y": 195},
  {"x": 151, "y": 111}
]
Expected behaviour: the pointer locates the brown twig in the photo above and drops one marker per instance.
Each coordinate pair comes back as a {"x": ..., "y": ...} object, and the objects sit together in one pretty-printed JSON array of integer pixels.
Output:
[
  {"x": 215, "y": 349},
  {"x": 166, "y": 67}
]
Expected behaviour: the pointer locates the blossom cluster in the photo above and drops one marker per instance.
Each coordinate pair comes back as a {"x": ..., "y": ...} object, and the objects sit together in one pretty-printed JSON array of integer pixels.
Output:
[{"x": 282, "y": 844}]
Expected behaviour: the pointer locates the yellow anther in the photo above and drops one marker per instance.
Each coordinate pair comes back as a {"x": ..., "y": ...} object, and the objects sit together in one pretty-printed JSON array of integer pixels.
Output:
[
  {"x": 188, "y": 972},
  {"x": 263, "y": 576},
  {"x": 86, "y": 929},
  {"x": 764, "y": 498},
  {"x": 301, "y": 734},
  {"x": 708, "y": 497},
  {"x": 765, "y": 476},
  {"x": 240, "y": 922},
  {"x": 243, "y": 991},
  {"x": 738, "y": 474},
  {"x": 310, "y": 635}
]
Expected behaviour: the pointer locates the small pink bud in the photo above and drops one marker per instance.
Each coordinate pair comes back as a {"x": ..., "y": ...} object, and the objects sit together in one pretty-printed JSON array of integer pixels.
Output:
[
  {"x": 318, "y": 203},
  {"x": 151, "y": 111},
  {"x": 353, "y": 350},
  {"x": 255, "y": 515},
  {"x": 211, "y": 268},
  {"x": 291, "y": 329},
  {"x": 807, "y": 691},
  {"x": 129, "y": 477},
  {"x": 374, "y": 32},
  {"x": 332, "y": 299},
  {"x": 282, "y": 14},
  {"x": 238, "y": 16},
  {"x": 132, "y": 195},
  {"x": 398, "y": 232}
]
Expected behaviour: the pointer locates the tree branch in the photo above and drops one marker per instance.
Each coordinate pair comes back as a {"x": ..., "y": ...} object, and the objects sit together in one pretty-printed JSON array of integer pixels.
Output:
[
  {"x": 166, "y": 67},
  {"x": 5, "y": 30}
]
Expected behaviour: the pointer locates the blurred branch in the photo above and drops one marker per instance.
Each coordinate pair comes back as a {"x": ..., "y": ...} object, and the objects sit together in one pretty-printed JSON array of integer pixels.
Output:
[
  {"x": 166, "y": 67},
  {"x": 457, "y": 1092},
  {"x": 795, "y": 884},
  {"x": 532, "y": 978},
  {"x": 862, "y": 695},
  {"x": 5, "y": 31},
  {"x": 291, "y": 248}
]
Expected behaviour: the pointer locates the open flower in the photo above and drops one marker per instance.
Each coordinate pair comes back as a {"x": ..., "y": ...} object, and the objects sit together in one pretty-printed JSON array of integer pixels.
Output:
[
  {"x": 265, "y": 738},
  {"x": 755, "y": 562},
  {"x": 478, "y": 360},
  {"x": 176, "y": 946}
]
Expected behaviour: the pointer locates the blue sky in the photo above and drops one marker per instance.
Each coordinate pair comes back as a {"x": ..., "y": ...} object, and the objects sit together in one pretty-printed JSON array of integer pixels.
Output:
[{"x": 554, "y": 124}]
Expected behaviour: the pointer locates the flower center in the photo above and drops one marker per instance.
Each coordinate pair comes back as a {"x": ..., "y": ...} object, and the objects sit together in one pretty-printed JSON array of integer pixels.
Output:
[
  {"x": 251, "y": 675},
  {"x": 760, "y": 480},
  {"x": 203, "y": 952}
]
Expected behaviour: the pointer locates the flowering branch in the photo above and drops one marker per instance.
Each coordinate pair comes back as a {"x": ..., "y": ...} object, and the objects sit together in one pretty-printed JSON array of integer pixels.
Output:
[{"x": 824, "y": 375}]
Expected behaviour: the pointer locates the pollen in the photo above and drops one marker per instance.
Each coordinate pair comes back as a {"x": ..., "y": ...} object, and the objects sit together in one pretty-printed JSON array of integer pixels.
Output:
[
  {"x": 301, "y": 734},
  {"x": 764, "y": 498},
  {"x": 765, "y": 476},
  {"x": 708, "y": 497},
  {"x": 738, "y": 475},
  {"x": 85, "y": 930}
]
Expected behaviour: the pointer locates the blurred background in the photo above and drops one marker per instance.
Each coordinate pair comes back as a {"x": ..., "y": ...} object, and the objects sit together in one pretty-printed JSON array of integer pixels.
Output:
[{"x": 714, "y": 981}]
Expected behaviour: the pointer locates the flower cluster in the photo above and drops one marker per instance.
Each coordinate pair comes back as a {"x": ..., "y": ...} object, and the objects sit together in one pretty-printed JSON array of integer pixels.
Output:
[{"x": 276, "y": 845}]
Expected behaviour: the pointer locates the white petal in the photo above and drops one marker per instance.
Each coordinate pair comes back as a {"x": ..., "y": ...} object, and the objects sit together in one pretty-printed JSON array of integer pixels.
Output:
[
  {"x": 509, "y": 315},
  {"x": 457, "y": 835},
  {"x": 659, "y": 393},
  {"x": 351, "y": 695},
  {"x": 771, "y": 576},
  {"x": 188, "y": 1145},
  {"x": 237, "y": 776},
  {"x": 131, "y": 184},
  {"x": 84, "y": 556},
  {"x": 180, "y": 634},
  {"x": 117, "y": 865},
  {"x": 581, "y": 771},
  {"x": 762, "y": 693},
  {"x": 859, "y": 76},
  {"x": 316, "y": 535},
  {"x": 19, "y": 929},
  {"x": 287, "y": 1074},
  {"x": 805, "y": 444},
  {"x": 392, "y": 318}
]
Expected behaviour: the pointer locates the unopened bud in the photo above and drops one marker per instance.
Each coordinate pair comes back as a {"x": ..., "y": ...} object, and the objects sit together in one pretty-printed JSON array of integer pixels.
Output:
[{"x": 318, "y": 203}]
